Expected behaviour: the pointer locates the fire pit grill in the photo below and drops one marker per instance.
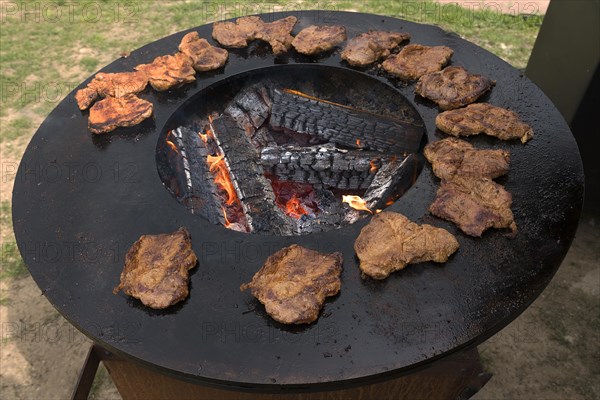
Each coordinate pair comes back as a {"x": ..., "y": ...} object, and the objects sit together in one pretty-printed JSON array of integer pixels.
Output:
[{"x": 81, "y": 200}]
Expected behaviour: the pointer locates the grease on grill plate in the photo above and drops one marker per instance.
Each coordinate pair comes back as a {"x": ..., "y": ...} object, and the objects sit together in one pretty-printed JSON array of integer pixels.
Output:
[{"x": 277, "y": 160}]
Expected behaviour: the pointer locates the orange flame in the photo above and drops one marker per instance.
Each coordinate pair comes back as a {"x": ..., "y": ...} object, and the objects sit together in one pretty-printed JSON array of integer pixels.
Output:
[
  {"x": 227, "y": 223},
  {"x": 356, "y": 202},
  {"x": 217, "y": 166},
  {"x": 373, "y": 166},
  {"x": 358, "y": 143},
  {"x": 204, "y": 136},
  {"x": 294, "y": 208},
  {"x": 172, "y": 146}
]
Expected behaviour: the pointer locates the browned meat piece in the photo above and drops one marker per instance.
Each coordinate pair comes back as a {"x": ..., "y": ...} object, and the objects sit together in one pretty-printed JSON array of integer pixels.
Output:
[
  {"x": 416, "y": 60},
  {"x": 204, "y": 56},
  {"x": 474, "y": 205},
  {"x": 294, "y": 282},
  {"x": 236, "y": 34},
  {"x": 114, "y": 85},
  {"x": 166, "y": 72},
  {"x": 391, "y": 241},
  {"x": 113, "y": 112},
  {"x": 453, "y": 87},
  {"x": 277, "y": 33},
  {"x": 482, "y": 117},
  {"x": 246, "y": 29},
  {"x": 450, "y": 157},
  {"x": 156, "y": 269},
  {"x": 371, "y": 46},
  {"x": 85, "y": 97},
  {"x": 317, "y": 39}
]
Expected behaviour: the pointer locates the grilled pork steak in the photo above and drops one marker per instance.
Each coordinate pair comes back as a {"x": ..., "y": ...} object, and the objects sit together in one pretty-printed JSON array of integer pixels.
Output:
[
  {"x": 113, "y": 112},
  {"x": 474, "y": 205},
  {"x": 204, "y": 56},
  {"x": 166, "y": 72},
  {"x": 317, "y": 39},
  {"x": 245, "y": 29},
  {"x": 415, "y": 60},
  {"x": 453, "y": 87},
  {"x": 156, "y": 269},
  {"x": 85, "y": 97},
  {"x": 294, "y": 282},
  {"x": 391, "y": 241},
  {"x": 115, "y": 85},
  {"x": 454, "y": 157},
  {"x": 371, "y": 46},
  {"x": 482, "y": 117}
]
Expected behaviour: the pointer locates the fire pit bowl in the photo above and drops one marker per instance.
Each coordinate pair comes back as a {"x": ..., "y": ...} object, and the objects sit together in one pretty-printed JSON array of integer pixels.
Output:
[
  {"x": 186, "y": 141},
  {"x": 81, "y": 200}
]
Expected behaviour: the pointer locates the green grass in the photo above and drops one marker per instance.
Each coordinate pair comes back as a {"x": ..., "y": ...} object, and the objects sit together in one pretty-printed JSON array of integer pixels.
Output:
[
  {"x": 53, "y": 45},
  {"x": 12, "y": 265},
  {"x": 5, "y": 214},
  {"x": 89, "y": 63}
]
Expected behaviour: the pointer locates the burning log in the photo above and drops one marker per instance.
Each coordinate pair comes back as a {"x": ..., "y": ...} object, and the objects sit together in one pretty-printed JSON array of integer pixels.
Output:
[
  {"x": 389, "y": 183},
  {"x": 331, "y": 214},
  {"x": 253, "y": 188},
  {"x": 392, "y": 179},
  {"x": 324, "y": 165},
  {"x": 342, "y": 125},
  {"x": 198, "y": 190}
]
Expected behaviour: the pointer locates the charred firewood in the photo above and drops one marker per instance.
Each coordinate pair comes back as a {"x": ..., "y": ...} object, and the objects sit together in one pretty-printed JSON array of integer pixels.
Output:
[
  {"x": 197, "y": 187},
  {"x": 343, "y": 125},
  {"x": 250, "y": 108},
  {"x": 393, "y": 178},
  {"x": 262, "y": 138},
  {"x": 331, "y": 213},
  {"x": 252, "y": 187},
  {"x": 324, "y": 165},
  {"x": 390, "y": 182}
]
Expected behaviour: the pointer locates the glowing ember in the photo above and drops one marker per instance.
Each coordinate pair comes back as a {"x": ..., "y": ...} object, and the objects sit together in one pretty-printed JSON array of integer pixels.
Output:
[
  {"x": 373, "y": 166},
  {"x": 308, "y": 96},
  {"x": 218, "y": 168},
  {"x": 204, "y": 136},
  {"x": 227, "y": 223},
  {"x": 356, "y": 202},
  {"x": 358, "y": 143},
  {"x": 389, "y": 202},
  {"x": 172, "y": 146},
  {"x": 294, "y": 208}
]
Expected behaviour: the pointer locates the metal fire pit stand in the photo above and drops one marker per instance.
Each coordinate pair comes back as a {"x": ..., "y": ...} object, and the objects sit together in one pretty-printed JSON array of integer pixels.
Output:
[{"x": 458, "y": 377}]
